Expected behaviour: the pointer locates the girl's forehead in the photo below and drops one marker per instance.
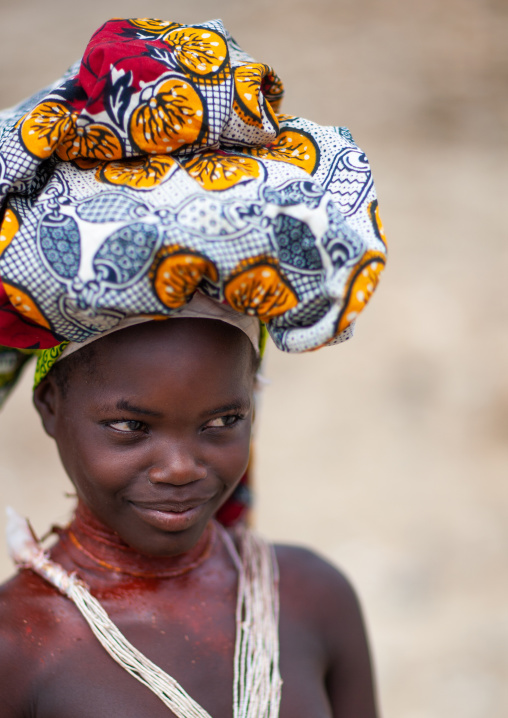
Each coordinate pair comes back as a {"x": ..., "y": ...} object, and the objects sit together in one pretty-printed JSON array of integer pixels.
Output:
[
  {"x": 189, "y": 337},
  {"x": 189, "y": 352}
]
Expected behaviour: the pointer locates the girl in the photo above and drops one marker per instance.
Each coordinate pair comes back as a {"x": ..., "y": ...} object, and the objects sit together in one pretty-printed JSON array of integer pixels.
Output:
[{"x": 157, "y": 181}]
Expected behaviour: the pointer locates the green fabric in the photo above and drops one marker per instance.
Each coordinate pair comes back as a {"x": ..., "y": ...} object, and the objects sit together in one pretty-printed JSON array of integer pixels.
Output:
[
  {"x": 12, "y": 362},
  {"x": 263, "y": 337},
  {"x": 46, "y": 358}
]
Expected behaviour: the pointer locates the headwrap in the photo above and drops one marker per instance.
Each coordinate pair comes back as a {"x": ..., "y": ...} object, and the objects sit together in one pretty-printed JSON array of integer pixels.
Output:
[{"x": 158, "y": 167}]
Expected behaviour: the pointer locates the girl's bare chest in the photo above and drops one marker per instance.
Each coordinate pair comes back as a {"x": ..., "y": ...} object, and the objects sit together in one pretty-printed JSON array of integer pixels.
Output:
[{"x": 194, "y": 644}]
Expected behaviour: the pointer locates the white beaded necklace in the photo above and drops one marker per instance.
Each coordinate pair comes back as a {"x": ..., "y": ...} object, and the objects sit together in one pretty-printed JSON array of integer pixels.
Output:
[{"x": 257, "y": 682}]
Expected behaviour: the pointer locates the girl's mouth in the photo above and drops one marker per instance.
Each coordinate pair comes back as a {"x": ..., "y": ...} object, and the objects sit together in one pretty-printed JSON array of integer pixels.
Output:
[{"x": 169, "y": 517}]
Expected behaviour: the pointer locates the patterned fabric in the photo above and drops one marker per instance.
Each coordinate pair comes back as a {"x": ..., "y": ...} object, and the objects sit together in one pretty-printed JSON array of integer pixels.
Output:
[
  {"x": 46, "y": 359},
  {"x": 159, "y": 166}
]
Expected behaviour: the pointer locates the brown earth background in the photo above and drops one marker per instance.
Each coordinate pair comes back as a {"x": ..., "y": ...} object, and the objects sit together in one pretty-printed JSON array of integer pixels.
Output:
[{"x": 389, "y": 454}]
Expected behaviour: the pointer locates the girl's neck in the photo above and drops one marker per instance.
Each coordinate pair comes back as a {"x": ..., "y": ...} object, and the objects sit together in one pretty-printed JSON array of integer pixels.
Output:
[{"x": 91, "y": 545}]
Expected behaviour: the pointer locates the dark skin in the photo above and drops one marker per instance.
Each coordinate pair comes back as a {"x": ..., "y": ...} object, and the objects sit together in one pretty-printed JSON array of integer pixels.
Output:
[{"x": 154, "y": 440}]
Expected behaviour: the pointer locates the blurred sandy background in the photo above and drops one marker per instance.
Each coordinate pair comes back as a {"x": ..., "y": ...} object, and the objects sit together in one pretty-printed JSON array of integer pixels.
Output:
[{"x": 389, "y": 455}]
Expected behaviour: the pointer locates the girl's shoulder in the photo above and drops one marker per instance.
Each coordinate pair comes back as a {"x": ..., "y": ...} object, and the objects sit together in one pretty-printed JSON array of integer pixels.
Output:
[
  {"x": 308, "y": 578},
  {"x": 30, "y": 614},
  {"x": 319, "y": 602},
  {"x": 319, "y": 596}
]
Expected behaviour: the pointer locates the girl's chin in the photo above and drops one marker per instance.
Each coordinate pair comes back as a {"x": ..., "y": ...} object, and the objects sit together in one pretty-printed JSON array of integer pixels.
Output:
[{"x": 163, "y": 542}]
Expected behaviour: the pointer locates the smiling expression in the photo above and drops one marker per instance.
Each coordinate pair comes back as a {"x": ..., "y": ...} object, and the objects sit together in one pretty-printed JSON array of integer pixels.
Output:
[{"x": 155, "y": 436}]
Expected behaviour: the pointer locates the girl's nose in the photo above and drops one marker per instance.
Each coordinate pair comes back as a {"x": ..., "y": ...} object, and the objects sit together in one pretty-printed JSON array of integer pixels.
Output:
[{"x": 176, "y": 464}]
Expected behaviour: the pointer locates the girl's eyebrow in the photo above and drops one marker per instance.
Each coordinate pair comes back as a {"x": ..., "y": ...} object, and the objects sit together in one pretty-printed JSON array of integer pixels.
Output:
[
  {"x": 124, "y": 405},
  {"x": 238, "y": 405}
]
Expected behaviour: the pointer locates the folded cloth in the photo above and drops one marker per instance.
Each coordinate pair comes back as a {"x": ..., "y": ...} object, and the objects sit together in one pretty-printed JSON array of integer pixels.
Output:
[{"x": 158, "y": 166}]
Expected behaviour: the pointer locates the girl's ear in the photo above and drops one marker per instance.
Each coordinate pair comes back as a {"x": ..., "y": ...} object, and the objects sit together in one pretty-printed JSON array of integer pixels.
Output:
[{"x": 45, "y": 398}]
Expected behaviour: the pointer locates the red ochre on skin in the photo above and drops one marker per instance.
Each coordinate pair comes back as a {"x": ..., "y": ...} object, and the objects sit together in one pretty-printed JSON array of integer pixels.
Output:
[{"x": 93, "y": 546}]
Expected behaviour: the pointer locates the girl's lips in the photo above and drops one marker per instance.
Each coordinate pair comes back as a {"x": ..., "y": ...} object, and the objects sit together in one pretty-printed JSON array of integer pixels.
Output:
[{"x": 169, "y": 519}]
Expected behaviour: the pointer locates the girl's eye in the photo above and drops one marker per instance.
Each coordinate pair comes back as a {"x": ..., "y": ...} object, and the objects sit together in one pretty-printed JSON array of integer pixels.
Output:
[
  {"x": 223, "y": 421},
  {"x": 126, "y": 426}
]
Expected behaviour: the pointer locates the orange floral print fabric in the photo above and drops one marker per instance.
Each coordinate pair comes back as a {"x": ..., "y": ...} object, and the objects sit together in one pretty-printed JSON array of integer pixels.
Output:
[
  {"x": 160, "y": 166},
  {"x": 177, "y": 274},
  {"x": 218, "y": 171},
  {"x": 138, "y": 173},
  {"x": 260, "y": 289}
]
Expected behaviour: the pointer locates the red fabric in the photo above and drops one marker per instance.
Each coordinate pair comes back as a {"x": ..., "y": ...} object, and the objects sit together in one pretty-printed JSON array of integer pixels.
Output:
[
  {"x": 236, "y": 508},
  {"x": 116, "y": 45},
  {"x": 16, "y": 331}
]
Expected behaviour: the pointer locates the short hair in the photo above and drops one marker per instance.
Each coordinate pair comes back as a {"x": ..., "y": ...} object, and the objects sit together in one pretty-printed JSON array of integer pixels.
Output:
[{"x": 81, "y": 360}]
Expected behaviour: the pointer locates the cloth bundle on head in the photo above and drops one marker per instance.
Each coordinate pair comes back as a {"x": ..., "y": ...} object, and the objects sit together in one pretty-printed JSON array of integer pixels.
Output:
[{"x": 158, "y": 167}]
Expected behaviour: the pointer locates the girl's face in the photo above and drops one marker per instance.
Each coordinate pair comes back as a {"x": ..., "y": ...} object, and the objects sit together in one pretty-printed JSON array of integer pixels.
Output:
[{"x": 157, "y": 435}]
